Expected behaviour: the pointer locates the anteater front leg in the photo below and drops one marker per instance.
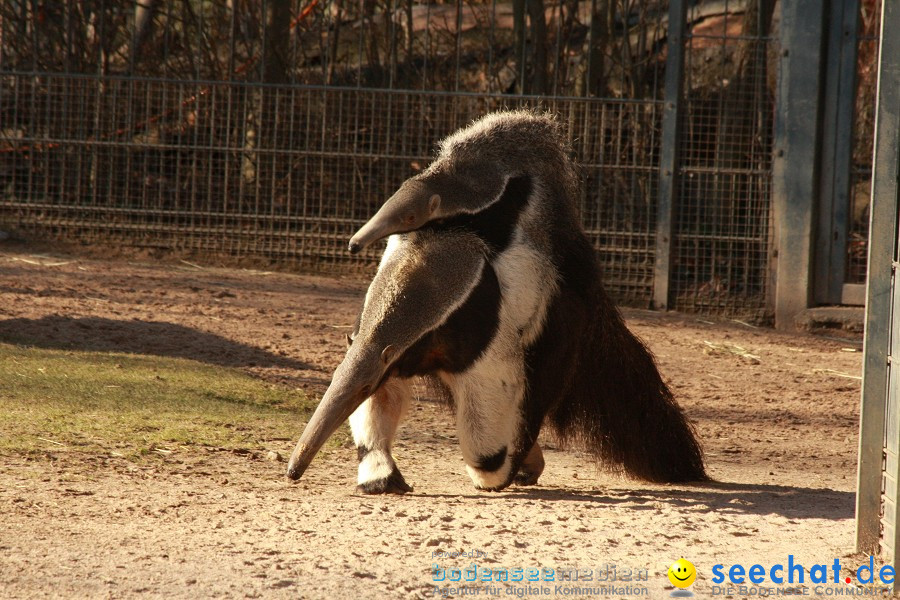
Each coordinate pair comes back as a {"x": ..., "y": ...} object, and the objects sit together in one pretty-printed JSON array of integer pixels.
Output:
[
  {"x": 490, "y": 422},
  {"x": 374, "y": 425}
]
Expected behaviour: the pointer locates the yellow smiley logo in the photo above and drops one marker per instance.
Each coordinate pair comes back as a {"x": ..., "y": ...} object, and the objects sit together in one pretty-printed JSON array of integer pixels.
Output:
[{"x": 682, "y": 573}]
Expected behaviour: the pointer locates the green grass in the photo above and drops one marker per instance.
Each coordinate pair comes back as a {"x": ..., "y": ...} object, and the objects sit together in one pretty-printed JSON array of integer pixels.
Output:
[{"x": 133, "y": 404}]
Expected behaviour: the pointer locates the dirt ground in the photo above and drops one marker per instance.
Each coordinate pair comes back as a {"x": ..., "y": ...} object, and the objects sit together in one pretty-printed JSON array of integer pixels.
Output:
[{"x": 777, "y": 415}]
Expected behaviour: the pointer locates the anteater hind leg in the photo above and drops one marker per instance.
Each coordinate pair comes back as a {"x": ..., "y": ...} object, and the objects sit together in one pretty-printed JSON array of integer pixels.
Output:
[
  {"x": 531, "y": 468},
  {"x": 374, "y": 425}
]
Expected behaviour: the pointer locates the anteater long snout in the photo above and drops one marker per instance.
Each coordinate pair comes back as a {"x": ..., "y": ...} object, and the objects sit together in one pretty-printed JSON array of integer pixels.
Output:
[
  {"x": 354, "y": 381},
  {"x": 408, "y": 209}
]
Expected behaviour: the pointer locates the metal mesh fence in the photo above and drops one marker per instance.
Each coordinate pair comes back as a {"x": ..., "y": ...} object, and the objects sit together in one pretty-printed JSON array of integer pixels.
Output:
[
  {"x": 282, "y": 172},
  {"x": 863, "y": 136},
  {"x": 275, "y": 128},
  {"x": 721, "y": 239}
]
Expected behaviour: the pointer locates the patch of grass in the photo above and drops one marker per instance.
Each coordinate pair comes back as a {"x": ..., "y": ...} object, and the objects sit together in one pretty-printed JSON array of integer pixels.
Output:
[{"x": 131, "y": 404}]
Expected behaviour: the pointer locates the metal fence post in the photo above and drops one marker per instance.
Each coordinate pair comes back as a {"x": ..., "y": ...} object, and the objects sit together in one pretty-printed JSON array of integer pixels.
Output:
[
  {"x": 837, "y": 151},
  {"x": 798, "y": 133},
  {"x": 668, "y": 161},
  {"x": 881, "y": 293}
]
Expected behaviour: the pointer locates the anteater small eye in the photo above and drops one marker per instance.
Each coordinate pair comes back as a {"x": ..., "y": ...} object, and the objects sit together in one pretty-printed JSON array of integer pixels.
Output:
[{"x": 410, "y": 219}]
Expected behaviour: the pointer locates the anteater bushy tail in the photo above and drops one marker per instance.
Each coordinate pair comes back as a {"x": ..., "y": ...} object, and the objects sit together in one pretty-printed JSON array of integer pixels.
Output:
[{"x": 613, "y": 401}]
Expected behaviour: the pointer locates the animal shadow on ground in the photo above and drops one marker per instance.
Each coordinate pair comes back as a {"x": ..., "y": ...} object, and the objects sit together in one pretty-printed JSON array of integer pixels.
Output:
[
  {"x": 718, "y": 497},
  {"x": 138, "y": 337}
]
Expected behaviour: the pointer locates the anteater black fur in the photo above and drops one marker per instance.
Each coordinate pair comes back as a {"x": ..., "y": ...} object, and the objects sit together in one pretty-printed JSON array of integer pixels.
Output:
[{"x": 597, "y": 383}]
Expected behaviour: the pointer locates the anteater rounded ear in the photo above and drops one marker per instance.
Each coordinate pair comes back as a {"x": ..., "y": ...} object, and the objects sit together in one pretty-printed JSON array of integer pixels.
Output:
[
  {"x": 388, "y": 354},
  {"x": 434, "y": 203},
  {"x": 349, "y": 340}
]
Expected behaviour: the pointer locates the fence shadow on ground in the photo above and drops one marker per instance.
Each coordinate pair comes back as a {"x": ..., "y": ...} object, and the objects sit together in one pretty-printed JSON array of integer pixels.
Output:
[
  {"x": 139, "y": 337},
  {"x": 792, "y": 502}
]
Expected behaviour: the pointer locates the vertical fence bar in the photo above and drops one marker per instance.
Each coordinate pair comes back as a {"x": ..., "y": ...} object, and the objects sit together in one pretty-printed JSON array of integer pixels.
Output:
[
  {"x": 880, "y": 287},
  {"x": 837, "y": 151},
  {"x": 668, "y": 160},
  {"x": 844, "y": 157},
  {"x": 796, "y": 165}
]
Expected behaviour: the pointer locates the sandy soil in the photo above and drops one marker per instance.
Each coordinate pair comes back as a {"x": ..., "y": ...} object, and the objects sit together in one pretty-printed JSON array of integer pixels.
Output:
[{"x": 779, "y": 432}]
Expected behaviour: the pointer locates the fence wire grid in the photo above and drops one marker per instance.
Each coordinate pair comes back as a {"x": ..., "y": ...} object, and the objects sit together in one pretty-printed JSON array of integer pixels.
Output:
[
  {"x": 284, "y": 172},
  {"x": 275, "y": 129},
  {"x": 863, "y": 138},
  {"x": 722, "y": 232}
]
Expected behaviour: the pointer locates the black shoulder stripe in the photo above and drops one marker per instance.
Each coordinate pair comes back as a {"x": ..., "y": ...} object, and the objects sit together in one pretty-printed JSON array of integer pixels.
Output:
[{"x": 495, "y": 224}]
